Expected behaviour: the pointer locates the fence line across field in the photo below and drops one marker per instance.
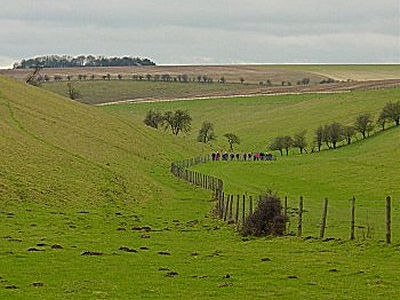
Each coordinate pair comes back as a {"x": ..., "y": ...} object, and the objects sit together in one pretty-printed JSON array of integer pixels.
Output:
[{"x": 237, "y": 212}]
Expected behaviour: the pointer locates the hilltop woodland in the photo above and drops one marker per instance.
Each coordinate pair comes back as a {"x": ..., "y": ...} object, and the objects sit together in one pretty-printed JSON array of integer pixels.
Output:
[{"x": 67, "y": 61}]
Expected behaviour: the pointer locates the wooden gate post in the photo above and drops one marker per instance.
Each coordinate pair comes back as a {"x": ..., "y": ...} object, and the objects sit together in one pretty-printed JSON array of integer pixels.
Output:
[
  {"x": 388, "y": 220},
  {"x": 323, "y": 220},
  {"x": 300, "y": 222},
  {"x": 250, "y": 205},
  {"x": 353, "y": 218}
]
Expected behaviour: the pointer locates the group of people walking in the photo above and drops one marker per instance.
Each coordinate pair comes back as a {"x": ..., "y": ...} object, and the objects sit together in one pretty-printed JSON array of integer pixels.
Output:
[{"x": 242, "y": 156}]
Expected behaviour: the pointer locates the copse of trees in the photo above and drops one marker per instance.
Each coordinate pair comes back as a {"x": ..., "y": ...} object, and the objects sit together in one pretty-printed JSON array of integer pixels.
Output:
[
  {"x": 176, "y": 121},
  {"x": 67, "y": 61},
  {"x": 335, "y": 133}
]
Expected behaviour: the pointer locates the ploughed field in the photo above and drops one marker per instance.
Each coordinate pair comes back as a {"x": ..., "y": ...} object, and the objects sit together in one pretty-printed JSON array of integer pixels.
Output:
[
  {"x": 149, "y": 83},
  {"x": 90, "y": 210}
]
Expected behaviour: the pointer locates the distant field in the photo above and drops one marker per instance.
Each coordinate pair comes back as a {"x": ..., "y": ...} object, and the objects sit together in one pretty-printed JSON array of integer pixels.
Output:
[
  {"x": 108, "y": 91},
  {"x": 100, "y": 91},
  {"x": 233, "y": 73}
]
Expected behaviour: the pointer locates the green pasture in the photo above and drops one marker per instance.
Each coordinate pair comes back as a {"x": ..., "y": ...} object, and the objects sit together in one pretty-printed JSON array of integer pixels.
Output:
[
  {"x": 257, "y": 120},
  {"x": 84, "y": 177}
]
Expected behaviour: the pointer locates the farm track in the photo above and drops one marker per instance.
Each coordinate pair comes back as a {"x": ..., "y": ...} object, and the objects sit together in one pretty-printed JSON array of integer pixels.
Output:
[{"x": 294, "y": 90}]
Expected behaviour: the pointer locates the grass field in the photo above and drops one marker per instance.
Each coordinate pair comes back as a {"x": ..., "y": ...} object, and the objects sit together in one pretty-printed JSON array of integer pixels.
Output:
[
  {"x": 82, "y": 177},
  {"x": 338, "y": 174}
]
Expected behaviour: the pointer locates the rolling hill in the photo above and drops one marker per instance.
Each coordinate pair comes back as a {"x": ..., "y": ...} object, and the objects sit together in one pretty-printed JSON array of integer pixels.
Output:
[{"x": 89, "y": 209}]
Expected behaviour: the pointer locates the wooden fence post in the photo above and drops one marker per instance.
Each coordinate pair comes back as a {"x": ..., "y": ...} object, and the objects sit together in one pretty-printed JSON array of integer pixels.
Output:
[
  {"x": 222, "y": 197},
  {"x": 388, "y": 219},
  {"x": 323, "y": 220},
  {"x": 230, "y": 208},
  {"x": 226, "y": 208},
  {"x": 300, "y": 223},
  {"x": 250, "y": 205},
  {"x": 237, "y": 209},
  {"x": 285, "y": 212},
  {"x": 285, "y": 206},
  {"x": 353, "y": 218},
  {"x": 244, "y": 209}
]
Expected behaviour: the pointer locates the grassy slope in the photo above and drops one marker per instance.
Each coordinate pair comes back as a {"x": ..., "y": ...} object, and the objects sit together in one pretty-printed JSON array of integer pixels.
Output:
[
  {"x": 59, "y": 158},
  {"x": 367, "y": 169},
  {"x": 258, "y": 120}
]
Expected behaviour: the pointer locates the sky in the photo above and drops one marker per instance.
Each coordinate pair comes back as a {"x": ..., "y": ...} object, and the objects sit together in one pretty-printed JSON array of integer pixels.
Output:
[{"x": 204, "y": 32}]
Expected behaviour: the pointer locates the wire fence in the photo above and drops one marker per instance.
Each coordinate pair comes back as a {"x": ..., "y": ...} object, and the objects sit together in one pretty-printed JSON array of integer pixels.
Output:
[{"x": 307, "y": 218}]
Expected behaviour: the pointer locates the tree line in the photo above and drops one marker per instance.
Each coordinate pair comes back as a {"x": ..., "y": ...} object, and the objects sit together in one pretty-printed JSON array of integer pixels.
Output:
[
  {"x": 67, "y": 61},
  {"x": 180, "y": 121},
  {"x": 331, "y": 135},
  {"x": 182, "y": 78}
]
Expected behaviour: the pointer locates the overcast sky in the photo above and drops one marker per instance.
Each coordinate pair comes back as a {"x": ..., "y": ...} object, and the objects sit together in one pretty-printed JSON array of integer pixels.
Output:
[{"x": 205, "y": 31}]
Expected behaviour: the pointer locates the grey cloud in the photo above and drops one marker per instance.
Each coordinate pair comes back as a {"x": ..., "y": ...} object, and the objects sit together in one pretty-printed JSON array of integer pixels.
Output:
[{"x": 205, "y": 32}]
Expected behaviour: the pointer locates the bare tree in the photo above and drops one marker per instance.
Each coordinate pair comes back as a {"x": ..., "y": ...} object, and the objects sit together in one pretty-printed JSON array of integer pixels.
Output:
[
  {"x": 333, "y": 134},
  {"x": 232, "y": 139},
  {"x": 364, "y": 124},
  {"x": 178, "y": 121},
  {"x": 382, "y": 119},
  {"x": 153, "y": 118},
  {"x": 287, "y": 143},
  {"x": 300, "y": 140},
  {"x": 391, "y": 111},
  {"x": 72, "y": 92},
  {"x": 349, "y": 133},
  {"x": 206, "y": 132},
  {"x": 277, "y": 144},
  {"x": 319, "y": 137}
]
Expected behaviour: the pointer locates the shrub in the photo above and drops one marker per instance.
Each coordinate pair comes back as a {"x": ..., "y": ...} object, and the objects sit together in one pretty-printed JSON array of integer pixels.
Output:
[{"x": 267, "y": 218}]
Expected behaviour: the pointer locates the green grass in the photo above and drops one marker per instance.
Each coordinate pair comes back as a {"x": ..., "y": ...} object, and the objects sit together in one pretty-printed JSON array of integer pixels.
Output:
[
  {"x": 366, "y": 169},
  {"x": 72, "y": 174},
  {"x": 257, "y": 120}
]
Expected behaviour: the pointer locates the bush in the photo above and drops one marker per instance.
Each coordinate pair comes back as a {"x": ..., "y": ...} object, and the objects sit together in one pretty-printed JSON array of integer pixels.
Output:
[{"x": 267, "y": 218}]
